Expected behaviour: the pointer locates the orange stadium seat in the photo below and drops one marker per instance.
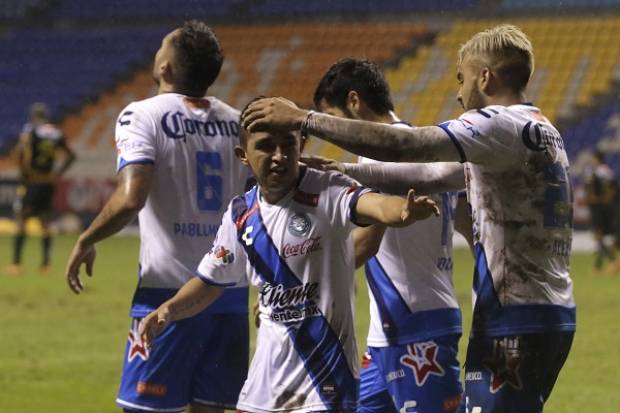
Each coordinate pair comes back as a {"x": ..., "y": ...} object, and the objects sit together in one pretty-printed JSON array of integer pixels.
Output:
[{"x": 286, "y": 60}]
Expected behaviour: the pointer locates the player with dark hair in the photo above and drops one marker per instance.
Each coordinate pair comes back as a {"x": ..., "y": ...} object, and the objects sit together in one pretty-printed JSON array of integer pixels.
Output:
[
  {"x": 37, "y": 154},
  {"x": 290, "y": 237},
  {"x": 518, "y": 186},
  {"x": 177, "y": 172},
  {"x": 362, "y": 76},
  {"x": 415, "y": 319}
]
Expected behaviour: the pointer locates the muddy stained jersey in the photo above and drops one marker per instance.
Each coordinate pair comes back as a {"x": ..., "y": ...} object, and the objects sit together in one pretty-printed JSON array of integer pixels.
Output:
[
  {"x": 521, "y": 198},
  {"x": 410, "y": 279},
  {"x": 190, "y": 143},
  {"x": 299, "y": 254}
]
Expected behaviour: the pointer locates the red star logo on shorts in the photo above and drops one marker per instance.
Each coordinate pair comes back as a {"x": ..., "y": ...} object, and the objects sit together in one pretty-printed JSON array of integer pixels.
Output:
[
  {"x": 422, "y": 359},
  {"x": 136, "y": 348},
  {"x": 504, "y": 370}
]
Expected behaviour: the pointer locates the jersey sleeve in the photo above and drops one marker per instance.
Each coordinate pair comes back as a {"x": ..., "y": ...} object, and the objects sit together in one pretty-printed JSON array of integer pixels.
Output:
[
  {"x": 482, "y": 136},
  {"x": 135, "y": 137},
  {"x": 224, "y": 265},
  {"x": 344, "y": 193}
]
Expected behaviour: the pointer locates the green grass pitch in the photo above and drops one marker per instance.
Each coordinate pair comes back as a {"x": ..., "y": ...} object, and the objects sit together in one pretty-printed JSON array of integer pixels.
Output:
[{"x": 62, "y": 353}]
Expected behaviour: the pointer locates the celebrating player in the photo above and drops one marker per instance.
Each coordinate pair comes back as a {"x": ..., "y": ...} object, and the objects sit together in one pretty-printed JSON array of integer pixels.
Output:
[
  {"x": 291, "y": 235},
  {"x": 177, "y": 169},
  {"x": 414, "y": 316},
  {"x": 520, "y": 193},
  {"x": 37, "y": 152}
]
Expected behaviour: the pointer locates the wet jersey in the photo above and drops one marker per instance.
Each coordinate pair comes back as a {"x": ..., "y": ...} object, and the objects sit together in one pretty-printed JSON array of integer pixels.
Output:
[
  {"x": 190, "y": 143},
  {"x": 410, "y": 280},
  {"x": 299, "y": 254},
  {"x": 521, "y": 198}
]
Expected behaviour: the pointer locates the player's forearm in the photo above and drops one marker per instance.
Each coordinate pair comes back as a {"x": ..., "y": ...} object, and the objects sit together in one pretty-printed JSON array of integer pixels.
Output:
[
  {"x": 383, "y": 142},
  {"x": 134, "y": 182},
  {"x": 367, "y": 241},
  {"x": 387, "y": 210},
  {"x": 114, "y": 216},
  {"x": 191, "y": 299},
  {"x": 398, "y": 178}
]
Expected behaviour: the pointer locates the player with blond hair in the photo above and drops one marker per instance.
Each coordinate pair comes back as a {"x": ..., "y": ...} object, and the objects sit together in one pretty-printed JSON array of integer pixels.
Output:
[{"x": 521, "y": 198}]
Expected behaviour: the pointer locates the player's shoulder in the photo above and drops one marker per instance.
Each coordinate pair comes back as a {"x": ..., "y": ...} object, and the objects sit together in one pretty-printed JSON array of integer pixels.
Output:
[
  {"x": 49, "y": 131},
  {"x": 223, "y": 107}
]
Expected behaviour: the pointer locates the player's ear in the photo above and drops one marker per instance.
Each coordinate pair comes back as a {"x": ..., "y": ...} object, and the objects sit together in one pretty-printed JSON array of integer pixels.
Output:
[
  {"x": 485, "y": 80},
  {"x": 353, "y": 101},
  {"x": 241, "y": 155},
  {"x": 166, "y": 72}
]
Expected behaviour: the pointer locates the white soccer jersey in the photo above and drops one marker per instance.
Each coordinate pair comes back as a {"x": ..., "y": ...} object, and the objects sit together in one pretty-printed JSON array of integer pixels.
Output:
[
  {"x": 521, "y": 198},
  {"x": 299, "y": 254},
  {"x": 410, "y": 279},
  {"x": 190, "y": 143}
]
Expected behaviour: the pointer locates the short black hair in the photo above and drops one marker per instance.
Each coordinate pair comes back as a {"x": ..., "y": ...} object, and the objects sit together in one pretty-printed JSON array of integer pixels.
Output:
[
  {"x": 200, "y": 56},
  {"x": 243, "y": 132},
  {"x": 361, "y": 75}
]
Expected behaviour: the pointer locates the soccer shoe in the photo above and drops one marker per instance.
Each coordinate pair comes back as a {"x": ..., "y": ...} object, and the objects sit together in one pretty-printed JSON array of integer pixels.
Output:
[
  {"x": 14, "y": 269},
  {"x": 44, "y": 269}
]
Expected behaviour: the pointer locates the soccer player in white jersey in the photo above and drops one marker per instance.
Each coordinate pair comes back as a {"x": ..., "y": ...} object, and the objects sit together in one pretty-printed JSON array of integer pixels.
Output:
[
  {"x": 177, "y": 171},
  {"x": 521, "y": 198},
  {"x": 291, "y": 235},
  {"x": 415, "y": 321}
]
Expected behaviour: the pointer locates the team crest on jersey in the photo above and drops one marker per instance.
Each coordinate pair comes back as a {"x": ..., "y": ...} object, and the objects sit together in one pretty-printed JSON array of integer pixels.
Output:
[
  {"x": 223, "y": 256},
  {"x": 422, "y": 359},
  {"x": 504, "y": 365},
  {"x": 137, "y": 348},
  {"x": 299, "y": 224}
]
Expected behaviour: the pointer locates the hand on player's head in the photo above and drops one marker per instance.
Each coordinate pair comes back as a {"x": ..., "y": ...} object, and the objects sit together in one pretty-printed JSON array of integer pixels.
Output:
[{"x": 272, "y": 114}]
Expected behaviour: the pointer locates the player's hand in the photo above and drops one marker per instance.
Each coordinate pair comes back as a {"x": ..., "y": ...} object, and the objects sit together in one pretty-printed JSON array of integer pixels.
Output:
[
  {"x": 321, "y": 163},
  {"x": 256, "y": 312},
  {"x": 272, "y": 114},
  {"x": 153, "y": 324},
  {"x": 417, "y": 208},
  {"x": 81, "y": 254}
]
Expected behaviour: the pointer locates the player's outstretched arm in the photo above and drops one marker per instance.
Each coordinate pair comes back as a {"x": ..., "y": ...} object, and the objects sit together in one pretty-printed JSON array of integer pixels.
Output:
[
  {"x": 394, "y": 211},
  {"x": 370, "y": 139},
  {"x": 397, "y": 178},
  {"x": 132, "y": 189},
  {"x": 191, "y": 299}
]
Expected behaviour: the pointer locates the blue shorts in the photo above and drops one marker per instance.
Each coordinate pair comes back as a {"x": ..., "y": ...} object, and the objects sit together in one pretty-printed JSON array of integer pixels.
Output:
[
  {"x": 513, "y": 374},
  {"x": 418, "y": 377},
  {"x": 202, "y": 360}
]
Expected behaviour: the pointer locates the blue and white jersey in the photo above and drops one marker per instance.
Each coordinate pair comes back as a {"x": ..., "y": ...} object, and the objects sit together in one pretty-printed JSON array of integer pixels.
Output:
[
  {"x": 410, "y": 279},
  {"x": 299, "y": 254},
  {"x": 521, "y": 198},
  {"x": 191, "y": 144}
]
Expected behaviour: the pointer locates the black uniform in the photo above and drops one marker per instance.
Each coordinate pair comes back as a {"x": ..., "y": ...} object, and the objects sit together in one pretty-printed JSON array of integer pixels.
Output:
[{"x": 37, "y": 190}]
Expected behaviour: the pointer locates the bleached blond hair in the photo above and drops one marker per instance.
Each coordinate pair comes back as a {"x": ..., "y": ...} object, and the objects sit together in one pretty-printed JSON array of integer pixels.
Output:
[{"x": 506, "y": 50}]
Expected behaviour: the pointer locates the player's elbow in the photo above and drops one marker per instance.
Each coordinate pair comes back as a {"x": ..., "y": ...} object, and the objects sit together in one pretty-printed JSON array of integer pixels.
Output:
[{"x": 134, "y": 203}]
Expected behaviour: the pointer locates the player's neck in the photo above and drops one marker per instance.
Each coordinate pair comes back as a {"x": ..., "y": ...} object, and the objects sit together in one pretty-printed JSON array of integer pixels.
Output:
[
  {"x": 388, "y": 118},
  {"x": 273, "y": 196},
  {"x": 168, "y": 88},
  {"x": 506, "y": 99}
]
